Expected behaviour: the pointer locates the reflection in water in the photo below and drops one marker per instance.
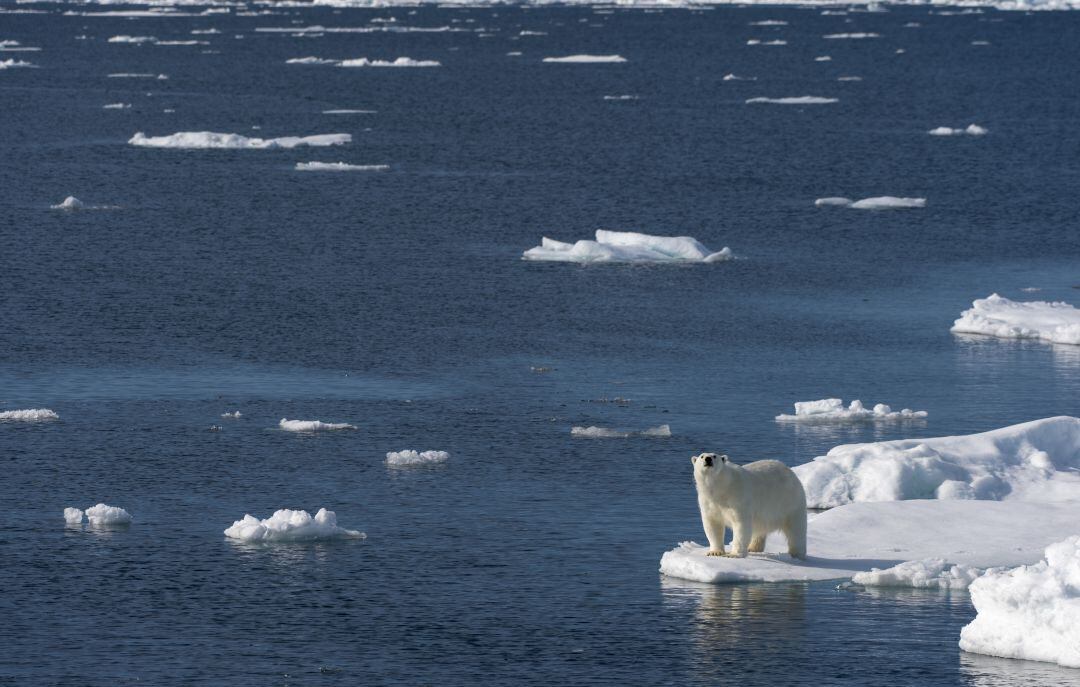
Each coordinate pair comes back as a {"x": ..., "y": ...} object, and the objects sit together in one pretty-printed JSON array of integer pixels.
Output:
[
  {"x": 989, "y": 671},
  {"x": 288, "y": 554}
]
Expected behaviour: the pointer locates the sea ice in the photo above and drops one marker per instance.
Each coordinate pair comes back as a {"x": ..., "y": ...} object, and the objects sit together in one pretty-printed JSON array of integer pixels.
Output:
[
  {"x": 235, "y": 415},
  {"x": 73, "y": 516},
  {"x": 341, "y": 112},
  {"x": 107, "y": 516},
  {"x": 833, "y": 410},
  {"x": 1031, "y": 612},
  {"x": 13, "y": 63},
  {"x": 1037, "y": 460},
  {"x": 411, "y": 458},
  {"x": 835, "y": 36},
  {"x": 822, "y": 58},
  {"x": 733, "y": 77},
  {"x": 796, "y": 100},
  {"x": 312, "y": 425},
  {"x": 836, "y": 201},
  {"x": 606, "y": 433},
  {"x": 290, "y": 526},
  {"x": 28, "y": 415},
  {"x": 399, "y": 62},
  {"x": 970, "y": 130},
  {"x": 888, "y": 203},
  {"x": 769, "y": 22},
  {"x": 586, "y": 59},
  {"x": 210, "y": 139},
  {"x": 128, "y": 75},
  {"x": 310, "y": 60},
  {"x": 925, "y": 573},
  {"x": 626, "y": 246},
  {"x": 338, "y": 167},
  {"x": 116, "y": 106},
  {"x": 1056, "y": 322},
  {"x": 132, "y": 39}
]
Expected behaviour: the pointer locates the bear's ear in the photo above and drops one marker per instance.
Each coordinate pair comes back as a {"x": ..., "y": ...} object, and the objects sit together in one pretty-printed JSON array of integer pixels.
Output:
[
  {"x": 693, "y": 459},
  {"x": 723, "y": 458}
]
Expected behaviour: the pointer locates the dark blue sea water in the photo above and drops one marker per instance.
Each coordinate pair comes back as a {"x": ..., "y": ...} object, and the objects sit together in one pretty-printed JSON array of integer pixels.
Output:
[{"x": 397, "y": 301}]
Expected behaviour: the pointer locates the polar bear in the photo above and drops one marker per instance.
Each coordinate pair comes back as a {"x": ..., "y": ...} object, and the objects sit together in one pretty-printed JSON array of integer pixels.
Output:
[{"x": 753, "y": 500}]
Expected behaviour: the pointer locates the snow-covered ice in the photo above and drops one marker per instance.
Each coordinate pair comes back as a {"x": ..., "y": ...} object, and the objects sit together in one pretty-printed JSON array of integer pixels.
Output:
[
  {"x": 132, "y": 39},
  {"x": 410, "y": 458},
  {"x": 839, "y": 36},
  {"x": 593, "y": 432},
  {"x": 1037, "y": 460},
  {"x": 338, "y": 167},
  {"x": 837, "y": 201},
  {"x": 130, "y": 75},
  {"x": 310, "y": 60},
  {"x": 733, "y": 77},
  {"x": 107, "y": 516},
  {"x": 287, "y": 525},
  {"x": 833, "y": 410},
  {"x": 969, "y": 130},
  {"x": 1055, "y": 322},
  {"x": 925, "y": 573},
  {"x": 758, "y": 41},
  {"x": 210, "y": 139},
  {"x": 116, "y": 106},
  {"x": 796, "y": 100},
  {"x": 586, "y": 59},
  {"x": 73, "y": 516},
  {"x": 312, "y": 425},
  {"x": 888, "y": 203},
  {"x": 1031, "y": 612},
  {"x": 28, "y": 415},
  {"x": 626, "y": 246},
  {"x": 399, "y": 62}
]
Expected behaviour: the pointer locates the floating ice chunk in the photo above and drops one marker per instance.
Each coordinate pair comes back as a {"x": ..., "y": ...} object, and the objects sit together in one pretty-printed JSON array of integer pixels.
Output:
[
  {"x": 409, "y": 458},
  {"x": 342, "y": 112},
  {"x": 338, "y": 167},
  {"x": 204, "y": 32},
  {"x": 116, "y": 106},
  {"x": 926, "y": 573},
  {"x": 733, "y": 77},
  {"x": 312, "y": 425},
  {"x": 28, "y": 415},
  {"x": 132, "y": 39},
  {"x": 1057, "y": 322},
  {"x": 832, "y": 201},
  {"x": 849, "y": 78},
  {"x": 620, "y": 97},
  {"x": 73, "y": 516},
  {"x": 1031, "y": 612},
  {"x": 399, "y": 62},
  {"x": 514, "y": 53},
  {"x": 13, "y": 63},
  {"x": 235, "y": 415},
  {"x": 758, "y": 41},
  {"x": 888, "y": 203},
  {"x": 210, "y": 139},
  {"x": 1038, "y": 460},
  {"x": 970, "y": 130},
  {"x": 769, "y": 22},
  {"x": 626, "y": 246},
  {"x": 797, "y": 100},
  {"x": 291, "y": 526},
  {"x": 69, "y": 203},
  {"x": 833, "y": 410},
  {"x": 606, "y": 433},
  {"x": 181, "y": 43},
  {"x": 127, "y": 75},
  {"x": 107, "y": 516},
  {"x": 837, "y": 36},
  {"x": 310, "y": 60},
  {"x": 586, "y": 59},
  {"x": 532, "y": 33},
  {"x": 823, "y": 58},
  {"x": 980, "y": 42}
]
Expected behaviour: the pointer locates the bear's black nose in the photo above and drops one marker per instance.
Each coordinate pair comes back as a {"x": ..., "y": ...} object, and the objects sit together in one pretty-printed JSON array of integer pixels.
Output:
[{"x": 708, "y": 461}]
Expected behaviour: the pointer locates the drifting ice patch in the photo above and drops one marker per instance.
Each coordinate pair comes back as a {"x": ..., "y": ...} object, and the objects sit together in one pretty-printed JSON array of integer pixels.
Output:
[
  {"x": 106, "y": 516},
  {"x": 732, "y": 77},
  {"x": 832, "y": 410},
  {"x": 235, "y": 415},
  {"x": 970, "y": 130},
  {"x": 132, "y": 39},
  {"x": 836, "y": 36},
  {"x": 1031, "y": 612},
  {"x": 796, "y": 100},
  {"x": 28, "y": 415},
  {"x": 125, "y": 75},
  {"x": 620, "y": 97},
  {"x": 13, "y": 63},
  {"x": 290, "y": 526},
  {"x": 310, "y": 60},
  {"x": 116, "y": 106},
  {"x": 339, "y": 112},
  {"x": 399, "y": 62},
  {"x": 626, "y": 246},
  {"x": 888, "y": 203},
  {"x": 586, "y": 59},
  {"x": 823, "y": 58},
  {"x": 409, "y": 458},
  {"x": 927, "y": 573},
  {"x": 769, "y": 22},
  {"x": 1038, "y": 460},
  {"x": 338, "y": 167},
  {"x": 606, "y": 433},
  {"x": 833, "y": 201},
  {"x": 210, "y": 139},
  {"x": 311, "y": 425},
  {"x": 997, "y": 316},
  {"x": 73, "y": 516},
  {"x": 756, "y": 41}
]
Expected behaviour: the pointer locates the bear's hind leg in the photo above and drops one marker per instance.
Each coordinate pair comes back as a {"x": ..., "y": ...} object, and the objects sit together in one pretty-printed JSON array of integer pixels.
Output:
[
  {"x": 757, "y": 543},
  {"x": 795, "y": 531}
]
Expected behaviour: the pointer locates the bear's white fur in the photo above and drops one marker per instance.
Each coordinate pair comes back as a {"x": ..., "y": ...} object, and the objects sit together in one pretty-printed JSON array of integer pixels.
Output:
[{"x": 753, "y": 500}]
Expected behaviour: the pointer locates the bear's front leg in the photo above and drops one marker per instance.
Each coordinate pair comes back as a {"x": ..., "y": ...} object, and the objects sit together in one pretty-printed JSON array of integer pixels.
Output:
[
  {"x": 740, "y": 539},
  {"x": 714, "y": 530}
]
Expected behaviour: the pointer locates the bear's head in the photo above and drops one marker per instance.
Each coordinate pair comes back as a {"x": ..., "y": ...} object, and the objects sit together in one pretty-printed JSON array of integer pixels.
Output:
[
  {"x": 711, "y": 469},
  {"x": 708, "y": 460}
]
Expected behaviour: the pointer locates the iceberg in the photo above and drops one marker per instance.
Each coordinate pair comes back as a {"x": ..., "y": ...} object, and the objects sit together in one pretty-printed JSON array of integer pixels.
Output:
[
  {"x": 312, "y": 425},
  {"x": 28, "y": 415},
  {"x": 796, "y": 100},
  {"x": 970, "y": 130},
  {"x": 106, "y": 516},
  {"x": 210, "y": 139},
  {"x": 1037, "y": 460},
  {"x": 586, "y": 59},
  {"x": 833, "y": 410},
  {"x": 1054, "y": 322},
  {"x": 401, "y": 459},
  {"x": 626, "y": 246},
  {"x": 593, "y": 432},
  {"x": 291, "y": 526},
  {"x": 338, "y": 167},
  {"x": 399, "y": 62},
  {"x": 1031, "y": 612}
]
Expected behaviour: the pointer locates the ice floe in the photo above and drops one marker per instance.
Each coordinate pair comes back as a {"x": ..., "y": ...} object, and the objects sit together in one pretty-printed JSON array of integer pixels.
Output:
[
  {"x": 71, "y": 203},
  {"x": 926, "y": 573},
  {"x": 833, "y": 410},
  {"x": 73, "y": 516},
  {"x": 620, "y": 97},
  {"x": 593, "y": 432},
  {"x": 28, "y": 415},
  {"x": 235, "y": 415},
  {"x": 344, "y": 112},
  {"x": 399, "y": 62},
  {"x": 823, "y": 58},
  {"x": 1037, "y": 460},
  {"x": 132, "y": 39},
  {"x": 129, "y": 75},
  {"x": 849, "y": 78},
  {"x": 888, "y": 203},
  {"x": 116, "y": 106},
  {"x": 100, "y": 515},
  {"x": 855, "y": 36},
  {"x": 291, "y": 526},
  {"x": 1055, "y": 322},
  {"x": 586, "y": 59},
  {"x": 338, "y": 167},
  {"x": 210, "y": 139},
  {"x": 15, "y": 64},
  {"x": 312, "y": 425},
  {"x": 795, "y": 100},
  {"x": 969, "y": 130},
  {"x": 769, "y": 22},
  {"x": 1031, "y": 612},
  {"x": 626, "y": 246},
  {"x": 310, "y": 60},
  {"x": 733, "y": 77},
  {"x": 409, "y": 458},
  {"x": 832, "y": 201}
]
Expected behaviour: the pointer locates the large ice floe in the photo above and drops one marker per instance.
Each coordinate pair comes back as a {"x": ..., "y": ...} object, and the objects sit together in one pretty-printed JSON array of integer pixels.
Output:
[
  {"x": 210, "y": 139},
  {"x": 593, "y": 432},
  {"x": 794, "y": 100},
  {"x": 338, "y": 167},
  {"x": 875, "y": 203},
  {"x": 626, "y": 246},
  {"x": 28, "y": 415},
  {"x": 410, "y": 458},
  {"x": 291, "y": 526},
  {"x": 833, "y": 410},
  {"x": 100, "y": 515},
  {"x": 586, "y": 59},
  {"x": 969, "y": 130},
  {"x": 1030, "y": 612},
  {"x": 399, "y": 62},
  {"x": 312, "y": 425},
  {"x": 1056, "y": 322}
]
